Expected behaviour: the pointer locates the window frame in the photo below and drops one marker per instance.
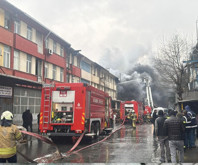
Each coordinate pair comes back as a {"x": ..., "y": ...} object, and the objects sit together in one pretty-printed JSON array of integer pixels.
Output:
[
  {"x": 61, "y": 74},
  {"x": 17, "y": 27},
  {"x": 7, "y": 21},
  {"x": 62, "y": 51},
  {"x": 29, "y": 64},
  {"x": 16, "y": 60},
  {"x": 29, "y": 33},
  {"x": 46, "y": 70},
  {"x": 54, "y": 46},
  {"x": 6, "y": 54},
  {"x": 47, "y": 43},
  {"x": 54, "y": 72}
]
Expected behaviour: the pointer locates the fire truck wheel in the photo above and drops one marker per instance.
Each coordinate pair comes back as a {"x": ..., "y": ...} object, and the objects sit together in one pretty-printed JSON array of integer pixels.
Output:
[
  {"x": 93, "y": 128},
  {"x": 97, "y": 129}
]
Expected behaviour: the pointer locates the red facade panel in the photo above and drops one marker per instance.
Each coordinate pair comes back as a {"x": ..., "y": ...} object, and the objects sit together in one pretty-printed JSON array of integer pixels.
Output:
[
  {"x": 25, "y": 45},
  {"x": 6, "y": 37},
  {"x": 25, "y": 75},
  {"x": 56, "y": 60},
  {"x": 76, "y": 71},
  {"x": 50, "y": 81},
  {"x": 38, "y": 55},
  {"x": 6, "y": 71}
]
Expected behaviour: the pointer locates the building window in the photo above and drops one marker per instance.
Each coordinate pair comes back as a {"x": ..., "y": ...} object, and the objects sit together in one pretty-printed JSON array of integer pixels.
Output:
[
  {"x": 68, "y": 61},
  {"x": 85, "y": 81},
  {"x": 61, "y": 74},
  {"x": 38, "y": 67},
  {"x": 16, "y": 60},
  {"x": 29, "y": 64},
  {"x": 6, "y": 59},
  {"x": 54, "y": 72},
  {"x": 54, "y": 47},
  {"x": 39, "y": 41},
  {"x": 68, "y": 78},
  {"x": 29, "y": 33},
  {"x": 7, "y": 21},
  {"x": 46, "y": 70},
  {"x": 17, "y": 27},
  {"x": 85, "y": 66},
  {"x": 62, "y": 51},
  {"x": 72, "y": 58},
  {"x": 46, "y": 43},
  {"x": 78, "y": 62}
]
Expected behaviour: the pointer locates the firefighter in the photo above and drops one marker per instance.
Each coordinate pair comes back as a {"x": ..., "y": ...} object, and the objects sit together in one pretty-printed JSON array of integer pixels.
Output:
[
  {"x": 9, "y": 134},
  {"x": 129, "y": 117},
  {"x": 134, "y": 119},
  {"x": 148, "y": 117}
]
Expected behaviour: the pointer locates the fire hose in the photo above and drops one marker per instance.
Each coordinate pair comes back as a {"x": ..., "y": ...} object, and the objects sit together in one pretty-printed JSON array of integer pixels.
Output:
[
  {"x": 98, "y": 141},
  {"x": 41, "y": 138},
  {"x": 59, "y": 155}
]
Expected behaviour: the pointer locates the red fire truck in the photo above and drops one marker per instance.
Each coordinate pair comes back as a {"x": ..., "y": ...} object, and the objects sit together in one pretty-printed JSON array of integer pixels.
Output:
[
  {"x": 147, "y": 110},
  {"x": 128, "y": 106},
  {"x": 69, "y": 109}
]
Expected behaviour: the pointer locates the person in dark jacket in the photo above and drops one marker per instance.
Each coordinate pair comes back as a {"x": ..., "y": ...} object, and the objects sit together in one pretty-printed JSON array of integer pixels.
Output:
[
  {"x": 154, "y": 117},
  {"x": 174, "y": 129},
  {"x": 188, "y": 131},
  {"x": 192, "y": 127},
  {"x": 27, "y": 120},
  {"x": 163, "y": 140}
]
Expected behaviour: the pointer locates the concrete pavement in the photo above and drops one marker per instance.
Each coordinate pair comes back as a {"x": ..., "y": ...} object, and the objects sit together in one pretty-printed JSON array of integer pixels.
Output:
[{"x": 191, "y": 155}]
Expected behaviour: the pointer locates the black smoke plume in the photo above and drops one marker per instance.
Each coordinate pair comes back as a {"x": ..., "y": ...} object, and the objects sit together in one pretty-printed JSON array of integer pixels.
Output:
[{"x": 132, "y": 86}]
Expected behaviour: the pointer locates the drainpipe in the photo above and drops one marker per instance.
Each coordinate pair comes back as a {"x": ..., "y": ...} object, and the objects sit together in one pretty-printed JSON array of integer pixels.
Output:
[{"x": 44, "y": 78}]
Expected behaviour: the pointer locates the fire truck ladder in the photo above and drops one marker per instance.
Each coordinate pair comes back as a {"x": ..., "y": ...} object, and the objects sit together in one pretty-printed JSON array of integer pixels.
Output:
[{"x": 46, "y": 106}]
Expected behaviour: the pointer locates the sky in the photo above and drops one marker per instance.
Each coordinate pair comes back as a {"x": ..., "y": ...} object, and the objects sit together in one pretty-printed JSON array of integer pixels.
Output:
[{"x": 116, "y": 34}]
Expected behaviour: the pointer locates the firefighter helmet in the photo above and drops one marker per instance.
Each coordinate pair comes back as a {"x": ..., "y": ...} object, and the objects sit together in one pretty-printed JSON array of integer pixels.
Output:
[{"x": 7, "y": 115}]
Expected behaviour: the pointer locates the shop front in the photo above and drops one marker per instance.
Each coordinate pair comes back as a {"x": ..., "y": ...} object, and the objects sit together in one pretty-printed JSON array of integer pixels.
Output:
[{"x": 17, "y": 94}]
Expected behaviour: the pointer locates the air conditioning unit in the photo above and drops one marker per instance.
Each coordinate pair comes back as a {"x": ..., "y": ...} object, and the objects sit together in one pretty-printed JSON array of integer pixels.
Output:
[{"x": 50, "y": 52}]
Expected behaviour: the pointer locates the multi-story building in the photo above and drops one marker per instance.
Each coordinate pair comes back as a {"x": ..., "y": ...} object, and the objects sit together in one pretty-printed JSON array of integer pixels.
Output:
[
  {"x": 31, "y": 55},
  {"x": 190, "y": 95},
  {"x": 73, "y": 66},
  {"x": 82, "y": 69}
]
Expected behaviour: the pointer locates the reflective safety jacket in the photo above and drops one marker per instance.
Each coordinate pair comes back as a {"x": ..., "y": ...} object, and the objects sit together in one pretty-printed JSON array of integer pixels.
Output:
[
  {"x": 8, "y": 138},
  {"x": 134, "y": 116}
]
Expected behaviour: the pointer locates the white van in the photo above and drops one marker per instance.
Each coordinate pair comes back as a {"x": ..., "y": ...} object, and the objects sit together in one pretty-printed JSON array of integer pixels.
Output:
[{"x": 165, "y": 110}]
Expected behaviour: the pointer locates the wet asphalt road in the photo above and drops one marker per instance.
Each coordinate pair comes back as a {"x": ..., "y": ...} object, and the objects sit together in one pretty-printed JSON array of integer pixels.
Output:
[{"x": 127, "y": 145}]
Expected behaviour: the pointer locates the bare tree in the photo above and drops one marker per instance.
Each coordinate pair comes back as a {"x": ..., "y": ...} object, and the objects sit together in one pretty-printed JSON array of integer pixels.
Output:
[{"x": 169, "y": 63}]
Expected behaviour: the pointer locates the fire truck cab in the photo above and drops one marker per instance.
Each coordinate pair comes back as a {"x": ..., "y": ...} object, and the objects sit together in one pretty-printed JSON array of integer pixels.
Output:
[
  {"x": 69, "y": 109},
  {"x": 128, "y": 106}
]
